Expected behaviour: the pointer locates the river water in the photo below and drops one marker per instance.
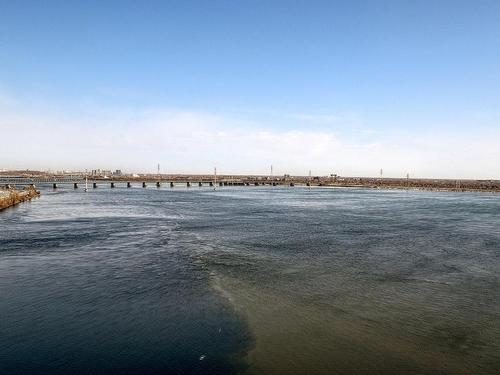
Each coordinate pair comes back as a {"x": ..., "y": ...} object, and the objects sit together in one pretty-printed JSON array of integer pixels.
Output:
[{"x": 257, "y": 280}]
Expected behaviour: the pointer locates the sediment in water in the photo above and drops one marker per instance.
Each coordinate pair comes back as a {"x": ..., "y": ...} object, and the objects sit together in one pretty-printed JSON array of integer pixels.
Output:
[{"x": 296, "y": 338}]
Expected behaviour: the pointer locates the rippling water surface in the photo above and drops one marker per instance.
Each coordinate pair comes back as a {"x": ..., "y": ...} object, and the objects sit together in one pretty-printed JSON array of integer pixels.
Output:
[{"x": 250, "y": 280}]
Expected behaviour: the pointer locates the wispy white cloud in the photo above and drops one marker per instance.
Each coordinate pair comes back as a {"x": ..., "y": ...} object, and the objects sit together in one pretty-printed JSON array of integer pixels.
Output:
[
  {"x": 326, "y": 119},
  {"x": 190, "y": 141},
  {"x": 337, "y": 119}
]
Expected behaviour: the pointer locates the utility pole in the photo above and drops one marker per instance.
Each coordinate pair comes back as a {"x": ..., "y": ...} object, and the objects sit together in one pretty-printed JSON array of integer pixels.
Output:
[
  {"x": 381, "y": 172},
  {"x": 215, "y": 178}
]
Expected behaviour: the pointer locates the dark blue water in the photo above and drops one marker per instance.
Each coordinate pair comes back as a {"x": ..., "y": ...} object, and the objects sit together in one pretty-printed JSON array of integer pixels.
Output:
[{"x": 257, "y": 280}]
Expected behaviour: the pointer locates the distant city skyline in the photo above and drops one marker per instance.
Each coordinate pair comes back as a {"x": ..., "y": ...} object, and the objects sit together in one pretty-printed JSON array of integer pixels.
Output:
[{"x": 347, "y": 87}]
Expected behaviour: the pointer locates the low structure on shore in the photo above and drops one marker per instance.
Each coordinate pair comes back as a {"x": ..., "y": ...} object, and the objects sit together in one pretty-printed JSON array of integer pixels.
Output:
[{"x": 10, "y": 197}]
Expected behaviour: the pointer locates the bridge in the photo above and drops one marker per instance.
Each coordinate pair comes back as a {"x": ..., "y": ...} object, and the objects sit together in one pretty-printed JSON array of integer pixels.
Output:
[{"x": 78, "y": 181}]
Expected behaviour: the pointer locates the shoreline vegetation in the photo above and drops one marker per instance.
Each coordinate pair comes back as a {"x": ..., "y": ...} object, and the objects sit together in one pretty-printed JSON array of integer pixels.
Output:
[{"x": 10, "y": 197}]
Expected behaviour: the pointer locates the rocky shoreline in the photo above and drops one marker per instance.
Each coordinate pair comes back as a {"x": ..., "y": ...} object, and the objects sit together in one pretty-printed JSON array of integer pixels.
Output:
[{"x": 10, "y": 197}]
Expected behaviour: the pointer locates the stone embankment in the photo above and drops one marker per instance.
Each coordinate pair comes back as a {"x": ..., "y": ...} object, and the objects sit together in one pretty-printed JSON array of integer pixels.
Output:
[{"x": 10, "y": 197}]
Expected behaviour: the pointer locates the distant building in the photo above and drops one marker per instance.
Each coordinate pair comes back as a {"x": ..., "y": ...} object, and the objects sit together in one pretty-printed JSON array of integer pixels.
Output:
[{"x": 118, "y": 172}]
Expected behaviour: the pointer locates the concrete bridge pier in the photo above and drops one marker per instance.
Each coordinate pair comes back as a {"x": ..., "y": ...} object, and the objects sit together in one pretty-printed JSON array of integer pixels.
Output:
[
  {"x": 112, "y": 185},
  {"x": 171, "y": 184},
  {"x": 158, "y": 184},
  {"x": 144, "y": 184},
  {"x": 75, "y": 185},
  {"x": 129, "y": 185}
]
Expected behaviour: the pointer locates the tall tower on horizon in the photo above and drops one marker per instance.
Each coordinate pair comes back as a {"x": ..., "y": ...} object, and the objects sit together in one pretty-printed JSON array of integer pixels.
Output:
[{"x": 215, "y": 178}]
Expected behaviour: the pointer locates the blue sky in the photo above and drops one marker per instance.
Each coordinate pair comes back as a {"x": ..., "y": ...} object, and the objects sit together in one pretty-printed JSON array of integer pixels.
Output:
[{"x": 333, "y": 86}]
